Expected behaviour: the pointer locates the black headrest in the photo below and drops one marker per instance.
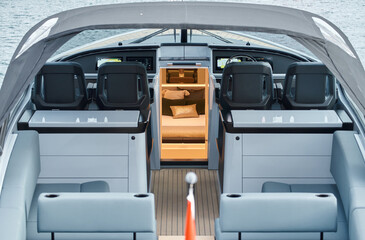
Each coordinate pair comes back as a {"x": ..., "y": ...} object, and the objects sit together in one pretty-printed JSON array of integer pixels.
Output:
[
  {"x": 248, "y": 68},
  {"x": 308, "y": 68},
  {"x": 122, "y": 68},
  {"x": 61, "y": 68},
  {"x": 309, "y": 85},
  {"x": 246, "y": 85},
  {"x": 122, "y": 86},
  {"x": 60, "y": 85}
]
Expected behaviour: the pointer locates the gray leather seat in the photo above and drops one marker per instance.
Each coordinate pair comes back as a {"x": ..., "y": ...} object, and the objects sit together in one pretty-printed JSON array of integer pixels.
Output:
[
  {"x": 348, "y": 171},
  {"x": 12, "y": 224},
  {"x": 309, "y": 85},
  {"x": 32, "y": 233},
  {"x": 94, "y": 215},
  {"x": 60, "y": 85},
  {"x": 258, "y": 216},
  {"x": 122, "y": 86},
  {"x": 20, "y": 189},
  {"x": 246, "y": 85},
  {"x": 342, "y": 228}
]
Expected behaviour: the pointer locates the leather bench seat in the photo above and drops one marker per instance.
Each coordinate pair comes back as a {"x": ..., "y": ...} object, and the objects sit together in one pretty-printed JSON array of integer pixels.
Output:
[
  {"x": 348, "y": 171},
  {"x": 342, "y": 229},
  {"x": 12, "y": 224},
  {"x": 97, "y": 216},
  {"x": 357, "y": 223},
  {"x": 32, "y": 233},
  {"x": 20, "y": 191},
  {"x": 259, "y": 216}
]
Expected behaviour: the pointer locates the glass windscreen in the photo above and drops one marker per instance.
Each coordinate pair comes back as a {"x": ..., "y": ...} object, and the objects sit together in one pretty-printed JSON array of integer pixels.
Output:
[{"x": 93, "y": 39}]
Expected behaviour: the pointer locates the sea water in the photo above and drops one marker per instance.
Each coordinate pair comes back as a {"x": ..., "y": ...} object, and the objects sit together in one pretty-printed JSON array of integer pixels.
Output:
[{"x": 18, "y": 16}]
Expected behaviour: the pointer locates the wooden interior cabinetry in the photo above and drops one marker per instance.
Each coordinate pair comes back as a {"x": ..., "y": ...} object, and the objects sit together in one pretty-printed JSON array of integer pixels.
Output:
[{"x": 184, "y": 145}]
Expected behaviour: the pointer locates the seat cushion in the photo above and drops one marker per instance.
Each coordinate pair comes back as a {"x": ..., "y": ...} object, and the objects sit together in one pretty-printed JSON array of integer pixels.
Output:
[
  {"x": 357, "y": 222},
  {"x": 22, "y": 172},
  {"x": 342, "y": 229},
  {"x": 97, "y": 186},
  {"x": 12, "y": 224},
  {"x": 98, "y": 212},
  {"x": 347, "y": 167}
]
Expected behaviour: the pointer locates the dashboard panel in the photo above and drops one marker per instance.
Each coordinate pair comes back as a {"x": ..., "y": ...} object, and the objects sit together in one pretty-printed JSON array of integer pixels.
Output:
[
  {"x": 147, "y": 55},
  {"x": 278, "y": 60},
  {"x": 92, "y": 60}
]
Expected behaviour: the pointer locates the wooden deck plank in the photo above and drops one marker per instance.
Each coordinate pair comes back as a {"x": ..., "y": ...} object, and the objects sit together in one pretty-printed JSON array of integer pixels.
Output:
[
  {"x": 164, "y": 202},
  {"x": 174, "y": 217},
  {"x": 185, "y": 194},
  {"x": 158, "y": 195},
  {"x": 199, "y": 206},
  {"x": 170, "y": 203},
  {"x": 209, "y": 206},
  {"x": 214, "y": 190}
]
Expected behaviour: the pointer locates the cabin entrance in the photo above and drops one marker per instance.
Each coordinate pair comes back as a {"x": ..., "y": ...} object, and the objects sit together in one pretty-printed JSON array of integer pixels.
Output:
[{"x": 184, "y": 113}]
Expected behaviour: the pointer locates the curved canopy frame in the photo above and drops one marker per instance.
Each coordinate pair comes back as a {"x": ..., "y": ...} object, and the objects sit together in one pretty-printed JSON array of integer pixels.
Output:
[{"x": 323, "y": 38}]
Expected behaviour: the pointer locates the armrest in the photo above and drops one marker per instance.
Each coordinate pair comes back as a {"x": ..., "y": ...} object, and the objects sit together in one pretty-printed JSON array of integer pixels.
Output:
[{"x": 96, "y": 212}]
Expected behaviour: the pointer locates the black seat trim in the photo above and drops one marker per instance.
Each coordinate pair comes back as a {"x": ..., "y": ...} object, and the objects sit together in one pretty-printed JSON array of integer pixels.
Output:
[
  {"x": 254, "y": 68},
  {"x": 125, "y": 68},
  {"x": 55, "y": 70},
  {"x": 309, "y": 69}
]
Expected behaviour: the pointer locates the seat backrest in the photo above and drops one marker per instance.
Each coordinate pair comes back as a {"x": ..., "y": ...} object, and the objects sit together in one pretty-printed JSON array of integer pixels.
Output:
[
  {"x": 96, "y": 212},
  {"x": 122, "y": 86},
  {"x": 347, "y": 168},
  {"x": 12, "y": 224},
  {"x": 22, "y": 173},
  {"x": 309, "y": 85},
  {"x": 246, "y": 85},
  {"x": 60, "y": 85},
  {"x": 278, "y": 212}
]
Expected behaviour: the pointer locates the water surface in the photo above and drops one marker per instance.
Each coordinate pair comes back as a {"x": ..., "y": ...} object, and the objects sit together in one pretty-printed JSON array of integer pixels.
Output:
[{"x": 18, "y": 16}]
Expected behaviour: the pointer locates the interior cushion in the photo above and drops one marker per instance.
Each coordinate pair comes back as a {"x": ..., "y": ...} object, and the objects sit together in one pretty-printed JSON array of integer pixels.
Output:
[
  {"x": 195, "y": 93},
  {"x": 200, "y": 104},
  {"x": 174, "y": 95},
  {"x": 166, "y": 103},
  {"x": 187, "y": 111},
  {"x": 191, "y": 128}
]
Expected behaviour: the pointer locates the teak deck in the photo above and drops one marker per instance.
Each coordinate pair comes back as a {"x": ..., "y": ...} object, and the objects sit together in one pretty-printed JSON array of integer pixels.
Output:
[{"x": 170, "y": 191}]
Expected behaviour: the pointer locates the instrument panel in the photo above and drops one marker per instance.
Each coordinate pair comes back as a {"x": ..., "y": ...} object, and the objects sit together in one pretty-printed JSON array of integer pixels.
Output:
[
  {"x": 91, "y": 61},
  {"x": 279, "y": 61}
]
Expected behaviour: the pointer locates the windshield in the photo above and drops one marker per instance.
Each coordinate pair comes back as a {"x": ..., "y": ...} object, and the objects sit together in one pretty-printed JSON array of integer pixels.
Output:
[{"x": 93, "y": 39}]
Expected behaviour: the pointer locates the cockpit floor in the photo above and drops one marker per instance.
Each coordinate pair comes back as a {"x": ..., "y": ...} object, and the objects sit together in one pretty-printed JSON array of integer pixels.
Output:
[{"x": 170, "y": 191}]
